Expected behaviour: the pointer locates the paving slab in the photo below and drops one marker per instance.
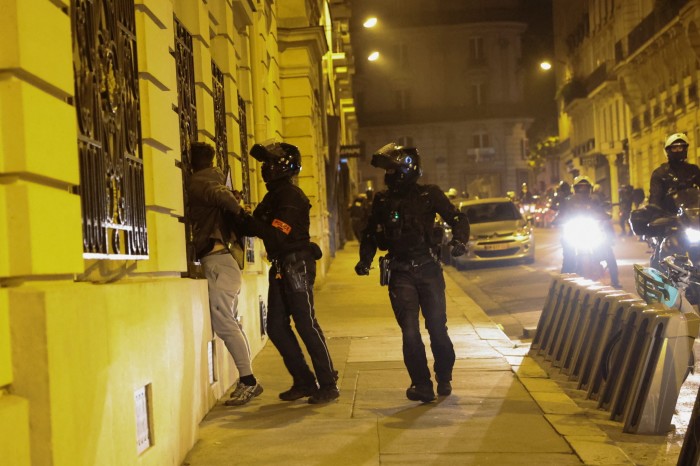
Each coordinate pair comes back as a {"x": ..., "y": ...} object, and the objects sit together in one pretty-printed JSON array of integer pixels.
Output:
[{"x": 505, "y": 409}]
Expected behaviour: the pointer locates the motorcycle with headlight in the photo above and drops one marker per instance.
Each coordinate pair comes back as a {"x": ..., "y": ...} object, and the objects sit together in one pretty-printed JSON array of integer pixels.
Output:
[
  {"x": 586, "y": 235},
  {"x": 679, "y": 233}
]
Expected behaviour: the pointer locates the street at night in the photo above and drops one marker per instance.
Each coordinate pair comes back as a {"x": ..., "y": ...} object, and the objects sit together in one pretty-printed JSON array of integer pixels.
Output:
[{"x": 513, "y": 295}]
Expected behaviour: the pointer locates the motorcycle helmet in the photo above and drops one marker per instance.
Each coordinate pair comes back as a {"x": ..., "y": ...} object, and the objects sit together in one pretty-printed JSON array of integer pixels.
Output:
[
  {"x": 583, "y": 185},
  {"x": 563, "y": 189},
  {"x": 676, "y": 147},
  {"x": 402, "y": 164},
  {"x": 279, "y": 160}
]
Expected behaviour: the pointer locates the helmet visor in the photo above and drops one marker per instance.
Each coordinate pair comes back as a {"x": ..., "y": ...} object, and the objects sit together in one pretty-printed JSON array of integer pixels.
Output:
[
  {"x": 268, "y": 153},
  {"x": 387, "y": 157}
]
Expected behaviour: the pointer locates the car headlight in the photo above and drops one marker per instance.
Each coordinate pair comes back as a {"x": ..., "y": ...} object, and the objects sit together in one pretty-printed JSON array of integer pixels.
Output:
[{"x": 523, "y": 232}]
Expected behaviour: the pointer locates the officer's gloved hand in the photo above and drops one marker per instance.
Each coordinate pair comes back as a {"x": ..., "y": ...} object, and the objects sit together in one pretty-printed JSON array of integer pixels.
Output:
[
  {"x": 458, "y": 248},
  {"x": 362, "y": 268}
]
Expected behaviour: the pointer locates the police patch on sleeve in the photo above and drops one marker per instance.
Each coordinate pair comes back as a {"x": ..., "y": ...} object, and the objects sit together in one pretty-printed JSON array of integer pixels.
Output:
[{"x": 281, "y": 226}]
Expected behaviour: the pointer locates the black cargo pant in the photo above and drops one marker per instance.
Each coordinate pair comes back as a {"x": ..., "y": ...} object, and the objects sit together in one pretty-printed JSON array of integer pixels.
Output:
[
  {"x": 290, "y": 296},
  {"x": 422, "y": 289}
]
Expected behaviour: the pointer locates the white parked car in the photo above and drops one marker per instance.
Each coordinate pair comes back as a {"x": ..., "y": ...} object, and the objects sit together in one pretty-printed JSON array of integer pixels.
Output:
[{"x": 498, "y": 233}]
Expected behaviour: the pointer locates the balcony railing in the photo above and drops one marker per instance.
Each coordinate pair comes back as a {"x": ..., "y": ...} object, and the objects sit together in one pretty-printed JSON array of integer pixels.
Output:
[
  {"x": 653, "y": 23},
  {"x": 598, "y": 77}
]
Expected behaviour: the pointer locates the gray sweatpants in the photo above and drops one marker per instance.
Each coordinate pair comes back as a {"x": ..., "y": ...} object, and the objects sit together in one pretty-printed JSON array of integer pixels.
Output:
[{"x": 224, "y": 283}]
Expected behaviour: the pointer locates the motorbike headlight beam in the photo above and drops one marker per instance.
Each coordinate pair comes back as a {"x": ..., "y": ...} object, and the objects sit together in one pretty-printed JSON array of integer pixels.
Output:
[{"x": 693, "y": 235}]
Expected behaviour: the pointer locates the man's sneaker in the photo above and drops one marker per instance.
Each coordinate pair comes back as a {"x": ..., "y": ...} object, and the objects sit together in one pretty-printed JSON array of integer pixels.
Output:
[
  {"x": 444, "y": 388},
  {"x": 324, "y": 395},
  {"x": 243, "y": 394},
  {"x": 422, "y": 393},
  {"x": 297, "y": 391}
]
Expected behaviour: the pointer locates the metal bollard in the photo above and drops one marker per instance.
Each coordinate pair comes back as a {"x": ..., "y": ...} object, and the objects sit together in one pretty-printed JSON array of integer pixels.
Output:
[
  {"x": 576, "y": 347},
  {"x": 633, "y": 362},
  {"x": 599, "y": 333},
  {"x": 546, "y": 329},
  {"x": 666, "y": 367},
  {"x": 552, "y": 300},
  {"x": 617, "y": 320},
  {"x": 621, "y": 358},
  {"x": 572, "y": 324}
]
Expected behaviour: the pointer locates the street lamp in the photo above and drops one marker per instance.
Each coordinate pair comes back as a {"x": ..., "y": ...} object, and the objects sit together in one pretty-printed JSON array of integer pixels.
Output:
[
  {"x": 374, "y": 56},
  {"x": 370, "y": 22},
  {"x": 546, "y": 65}
]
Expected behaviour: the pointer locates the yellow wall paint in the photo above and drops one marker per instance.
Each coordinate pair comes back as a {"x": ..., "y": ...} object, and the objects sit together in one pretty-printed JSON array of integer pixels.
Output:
[
  {"x": 39, "y": 133},
  {"x": 159, "y": 123},
  {"x": 14, "y": 431},
  {"x": 163, "y": 180},
  {"x": 5, "y": 356},
  {"x": 96, "y": 345},
  {"x": 154, "y": 44},
  {"x": 44, "y": 230},
  {"x": 47, "y": 55},
  {"x": 80, "y": 350}
]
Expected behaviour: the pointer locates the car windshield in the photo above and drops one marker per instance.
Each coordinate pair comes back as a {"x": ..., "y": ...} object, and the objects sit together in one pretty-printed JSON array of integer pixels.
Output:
[{"x": 491, "y": 212}]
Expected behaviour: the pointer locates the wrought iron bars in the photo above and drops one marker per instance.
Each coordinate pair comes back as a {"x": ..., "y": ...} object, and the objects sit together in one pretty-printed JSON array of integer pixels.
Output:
[
  {"x": 187, "y": 113},
  {"x": 220, "y": 120},
  {"x": 109, "y": 142},
  {"x": 243, "y": 127}
]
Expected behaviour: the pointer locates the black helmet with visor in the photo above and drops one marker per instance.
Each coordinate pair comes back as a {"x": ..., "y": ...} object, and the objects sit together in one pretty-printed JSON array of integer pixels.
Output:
[
  {"x": 402, "y": 164},
  {"x": 279, "y": 160}
]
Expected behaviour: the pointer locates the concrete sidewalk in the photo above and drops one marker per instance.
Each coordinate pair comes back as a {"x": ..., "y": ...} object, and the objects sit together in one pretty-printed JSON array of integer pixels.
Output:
[{"x": 504, "y": 409}]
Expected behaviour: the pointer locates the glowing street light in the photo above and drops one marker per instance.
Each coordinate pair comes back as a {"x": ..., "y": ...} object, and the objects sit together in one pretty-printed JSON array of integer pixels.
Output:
[
  {"x": 545, "y": 65},
  {"x": 374, "y": 56},
  {"x": 370, "y": 22}
]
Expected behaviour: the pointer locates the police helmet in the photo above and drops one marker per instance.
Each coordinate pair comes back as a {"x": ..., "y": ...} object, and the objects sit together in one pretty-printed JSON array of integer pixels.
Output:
[
  {"x": 582, "y": 185},
  {"x": 279, "y": 160},
  {"x": 676, "y": 147},
  {"x": 564, "y": 188},
  {"x": 402, "y": 164}
]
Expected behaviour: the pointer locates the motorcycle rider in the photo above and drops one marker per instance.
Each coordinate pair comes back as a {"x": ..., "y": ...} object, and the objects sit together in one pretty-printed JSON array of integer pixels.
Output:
[
  {"x": 402, "y": 222},
  {"x": 525, "y": 196},
  {"x": 673, "y": 175},
  {"x": 583, "y": 203}
]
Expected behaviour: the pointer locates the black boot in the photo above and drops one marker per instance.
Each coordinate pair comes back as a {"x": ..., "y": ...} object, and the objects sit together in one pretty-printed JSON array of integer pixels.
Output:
[
  {"x": 298, "y": 391},
  {"x": 421, "y": 392}
]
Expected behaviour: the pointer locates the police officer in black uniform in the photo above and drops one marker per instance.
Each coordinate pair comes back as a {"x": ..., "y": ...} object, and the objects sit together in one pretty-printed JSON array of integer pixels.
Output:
[
  {"x": 282, "y": 221},
  {"x": 674, "y": 175},
  {"x": 402, "y": 221}
]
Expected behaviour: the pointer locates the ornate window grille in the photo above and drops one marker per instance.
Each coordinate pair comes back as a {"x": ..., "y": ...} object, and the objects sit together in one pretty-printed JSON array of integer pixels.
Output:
[
  {"x": 220, "y": 121},
  {"x": 187, "y": 112},
  {"x": 109, "y": 124},
  {"x": 243, "y": 125},
  {"x": 245, "y": 171}
]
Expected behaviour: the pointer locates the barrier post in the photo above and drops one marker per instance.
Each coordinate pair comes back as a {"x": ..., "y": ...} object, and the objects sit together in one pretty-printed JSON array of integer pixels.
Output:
[{"x": 667, "y": 365}]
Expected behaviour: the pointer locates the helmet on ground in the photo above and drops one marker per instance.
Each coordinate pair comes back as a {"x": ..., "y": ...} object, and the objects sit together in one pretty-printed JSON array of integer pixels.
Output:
[
  {"x": 582, "y": 185},
  {"x": 279, "y": 160},
  {"x": 676, "y": 147},
  {"x": 402, "y": 164}
]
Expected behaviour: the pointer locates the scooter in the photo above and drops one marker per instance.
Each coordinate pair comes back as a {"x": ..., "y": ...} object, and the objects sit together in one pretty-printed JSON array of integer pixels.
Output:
[
  {"x": 679, "y": 235},
  {"x": 586, "y": 236}
]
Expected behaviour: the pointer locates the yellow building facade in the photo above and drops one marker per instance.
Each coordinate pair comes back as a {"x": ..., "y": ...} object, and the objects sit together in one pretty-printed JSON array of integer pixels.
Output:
[
  {"x": 106, "y": 351},
  {"x": 627, "y": 78}
]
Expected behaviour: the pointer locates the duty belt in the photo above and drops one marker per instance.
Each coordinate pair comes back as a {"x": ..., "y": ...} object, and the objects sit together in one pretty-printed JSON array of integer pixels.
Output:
[
  {"x": 407, "y": 264},
  {"x": 289, "y": 258}
]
